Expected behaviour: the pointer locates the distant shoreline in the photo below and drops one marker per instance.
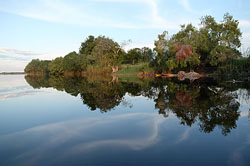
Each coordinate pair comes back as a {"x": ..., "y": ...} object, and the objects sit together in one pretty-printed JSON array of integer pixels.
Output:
[{"x": 10, "y": 73}]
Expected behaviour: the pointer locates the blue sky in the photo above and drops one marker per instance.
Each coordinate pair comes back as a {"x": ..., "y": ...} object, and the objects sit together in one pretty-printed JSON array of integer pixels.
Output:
[{"x": 46, "y": 29}]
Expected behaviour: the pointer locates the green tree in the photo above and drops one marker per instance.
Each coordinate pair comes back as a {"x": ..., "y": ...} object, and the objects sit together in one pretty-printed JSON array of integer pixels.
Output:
[
  {"x": 164, "y": 59},
  {"x": 147, "y": 54},
  {"x": 73, "y": 62},
  {"x": 211, "y": 45},
  {"x": 134, "y": 55},
  {"x": 107, "y": 53},
  {"x": 32, "y": 66},
  {"x": 87, "y": 46},
  {"x": 219, "y": 41},
  {"x": 37, "y": 66},
  {"x": 56, "y": 66}
]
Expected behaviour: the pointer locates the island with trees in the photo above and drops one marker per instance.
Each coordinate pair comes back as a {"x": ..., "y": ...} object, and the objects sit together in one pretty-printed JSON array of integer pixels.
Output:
[{"x": 213, "y": 48}]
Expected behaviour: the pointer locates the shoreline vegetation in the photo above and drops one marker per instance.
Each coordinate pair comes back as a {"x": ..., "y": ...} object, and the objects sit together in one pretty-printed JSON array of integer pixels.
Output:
[{"x": 210, "y": 50}]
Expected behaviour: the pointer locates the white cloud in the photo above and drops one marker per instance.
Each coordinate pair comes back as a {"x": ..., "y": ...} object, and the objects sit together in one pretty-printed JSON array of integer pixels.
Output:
[
  {"x": 16, "y": 60},
  {"x": 157, "y": 20},
  {"x": 184, "y": 136},
  {"x": 22, "y": 55},
  {"x": 186, "y": 5},
  {"x": 17, "y": 95},
  {"x": 61, "y": 12},
  {"x": 136, "y": 45},
  {"x": 245, "y": 41},
  {"x": 8, "y": 65},
  {"x": 79, "y": 138},
  {"x": 10, "y": 51},
  {"x": 244, "y": 23},
  {"x": 154, "y": 19},
  {"x": 7, "y": 57},
  {"x": 26, "y": 55}
]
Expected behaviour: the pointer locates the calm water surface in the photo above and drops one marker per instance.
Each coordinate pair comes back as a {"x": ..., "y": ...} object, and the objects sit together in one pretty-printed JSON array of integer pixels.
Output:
[{"x": 125, "y": 121}]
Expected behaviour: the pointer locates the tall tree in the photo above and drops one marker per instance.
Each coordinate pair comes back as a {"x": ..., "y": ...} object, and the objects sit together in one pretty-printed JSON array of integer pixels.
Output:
[
  {"x": 107, "y": 53},
  {"x": 87, "y": 46},
  {"x": 219, "y": 41},
  {"x": 147, "y": 54},
  {"x": 134, "y": 55},
  {"x": 163, "y": 61}
]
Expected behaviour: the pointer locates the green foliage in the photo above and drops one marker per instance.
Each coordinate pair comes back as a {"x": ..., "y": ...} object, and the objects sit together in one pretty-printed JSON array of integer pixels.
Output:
[
  {"x": 100, "y": 53},
  {"x": 56, "y": 66},
  {"x": 213, "y": 44},
  {"x": 106, "y": 52},
  {"x": 73, "y": 62},
  {"x": 162, "y": 62},
  {"x": 171, "y": 64},
  {"x": 161, "y": 45},
  {"x": 134, "y": 55},
  {"x": 37, "y": 66},
  {"x": 137, "y": 55},
  {"x": 235, "y": 69},
  {"x": 87, "y": 46},
  {"x": 219, "y": 41},
  {"x": 188, "y": 36},
  {"x": 147, "y": 54}
]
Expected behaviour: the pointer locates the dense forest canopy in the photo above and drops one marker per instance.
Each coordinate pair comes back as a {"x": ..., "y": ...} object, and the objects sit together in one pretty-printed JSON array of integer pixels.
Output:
[{"x": 211, "y": 47}]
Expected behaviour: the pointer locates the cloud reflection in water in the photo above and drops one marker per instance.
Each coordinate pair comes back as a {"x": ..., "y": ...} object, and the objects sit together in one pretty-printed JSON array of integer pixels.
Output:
[{"x": 82, "y": 136}]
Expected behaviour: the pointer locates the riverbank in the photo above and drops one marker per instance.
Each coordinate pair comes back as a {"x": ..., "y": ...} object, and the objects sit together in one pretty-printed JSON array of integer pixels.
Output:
[{"x": 144, "y": 70}]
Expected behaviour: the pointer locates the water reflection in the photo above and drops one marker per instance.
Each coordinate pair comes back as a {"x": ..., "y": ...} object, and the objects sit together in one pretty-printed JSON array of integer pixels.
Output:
[
  {"x": 43, "y": 143},
  {"x": 14, "y": 86},
  {"x": 205, "y": 102}
]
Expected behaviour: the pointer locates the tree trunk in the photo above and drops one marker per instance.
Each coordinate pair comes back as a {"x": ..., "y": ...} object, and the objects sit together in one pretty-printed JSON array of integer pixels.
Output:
[
  {"x": 133, "y": 62},
  {"x": 115, "y": 69},
  {"x": 115, "y": 79}
]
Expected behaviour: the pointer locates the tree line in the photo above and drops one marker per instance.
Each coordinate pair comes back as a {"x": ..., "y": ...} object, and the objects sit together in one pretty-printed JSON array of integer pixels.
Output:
[
  {"x": 101, "y": 52},
  {"x": 204, "y": 49}
]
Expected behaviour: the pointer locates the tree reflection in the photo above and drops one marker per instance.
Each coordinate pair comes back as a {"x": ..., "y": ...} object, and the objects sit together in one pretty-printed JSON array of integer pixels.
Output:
[
  {"x": 101, "y": 94},
  {"x": 207, "y": 103}
]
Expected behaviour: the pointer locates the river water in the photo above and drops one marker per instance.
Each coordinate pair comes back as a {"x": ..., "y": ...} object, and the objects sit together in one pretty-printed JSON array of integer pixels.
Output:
[{"x": 123, "y": 121}]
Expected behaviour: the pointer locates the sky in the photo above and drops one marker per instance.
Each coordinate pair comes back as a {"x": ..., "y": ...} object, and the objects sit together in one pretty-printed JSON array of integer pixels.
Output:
[{"x": 46, "y": 29}]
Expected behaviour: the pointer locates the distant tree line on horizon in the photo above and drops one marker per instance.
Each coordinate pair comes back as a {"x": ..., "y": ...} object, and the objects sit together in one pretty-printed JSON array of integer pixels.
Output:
[{"x": 211, "y": 47}]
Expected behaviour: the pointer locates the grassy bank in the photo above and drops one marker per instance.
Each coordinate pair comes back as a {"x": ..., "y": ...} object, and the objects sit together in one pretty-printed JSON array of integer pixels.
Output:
[{"x": 129, "y": 69}]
